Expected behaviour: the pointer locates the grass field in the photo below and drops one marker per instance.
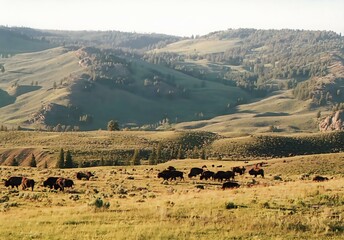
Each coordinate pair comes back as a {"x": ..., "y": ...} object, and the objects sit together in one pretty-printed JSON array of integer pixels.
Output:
[{"x": 141, "y": 206}]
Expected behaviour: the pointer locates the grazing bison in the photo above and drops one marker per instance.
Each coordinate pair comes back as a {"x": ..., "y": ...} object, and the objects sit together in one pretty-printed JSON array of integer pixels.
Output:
[
  {"x": 62, "y": 183},
  {"x": 220, "y": 175},
  {"x": 50, "y": 182},
  {"x": 240, "y": 170},
  {"x": 13, "y": 182},
  {"x": 230, "y": 185},
  {"x": 81, "y": 175},
  {"x": 320, "y": 179},
  {"x": 194, "y": 172},
  {"x": 28, "y": 183},
  {"x": 172, "y": 175},
  {"x": 207, "y": 175},
  {"x": 171, "y": 168},
  {"x": 256, "y": 171}
]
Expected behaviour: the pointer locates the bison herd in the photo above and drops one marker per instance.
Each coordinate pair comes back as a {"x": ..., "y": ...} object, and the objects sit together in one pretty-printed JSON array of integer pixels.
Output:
[
  {"x": 228, "y": 176},
  {"x": 60, "y": 183},
  {"x": 57, "y": 183}
]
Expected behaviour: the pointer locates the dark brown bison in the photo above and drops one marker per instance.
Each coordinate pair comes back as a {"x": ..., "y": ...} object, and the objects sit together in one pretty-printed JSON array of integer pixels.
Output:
[
  {"x": 220, "y": 175},
  {"x": 320, "y": 179},
  {"x": 62, "y": 183},
  {"x": 240, "y": 170},
  {"x": 194, "y": 172},
  {"x": 81, "y": 175},
  {"x": 230, "y": 185},
  {"x": 50, "y": 182},
  {"x": 256, "y": 171},
  {"x": 13, "y": 182},
  {"x": 172, "y": 175},
  {"x": 171, "y": 168},
  {"x": 28, "y": 183},
  {"x": 207, "y": 175}
]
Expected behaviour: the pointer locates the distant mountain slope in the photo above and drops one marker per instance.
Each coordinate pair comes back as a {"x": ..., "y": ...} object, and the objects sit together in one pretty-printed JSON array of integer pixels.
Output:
[
  {"x": 111, "y": 39},
  {"x": 235, "y": 81},
  {"x": 88, "y": 87},
  {"x": 16, "y": 40}
]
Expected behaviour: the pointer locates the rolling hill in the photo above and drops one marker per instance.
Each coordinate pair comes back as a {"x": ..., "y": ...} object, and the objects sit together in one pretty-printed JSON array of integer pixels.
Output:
[{"x": 234, "y": 82}]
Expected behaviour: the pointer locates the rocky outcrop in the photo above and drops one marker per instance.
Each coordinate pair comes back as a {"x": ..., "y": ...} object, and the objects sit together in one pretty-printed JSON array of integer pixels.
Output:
[{"x": 334, "y": 122}]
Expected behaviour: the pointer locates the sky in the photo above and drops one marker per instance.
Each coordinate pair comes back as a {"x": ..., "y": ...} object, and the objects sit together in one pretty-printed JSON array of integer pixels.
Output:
[{"x": 175, "y": 17}]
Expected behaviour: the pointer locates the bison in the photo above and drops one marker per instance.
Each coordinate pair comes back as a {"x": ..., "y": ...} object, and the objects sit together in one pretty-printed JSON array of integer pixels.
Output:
[
  {"x": 172, "y": 175},
  {"x": 240, "y": 170},
  {"x": 81, "y": 175},
  {"x": 28, "y": 183},
  {"x": 207, "y": 175},
  {"x": 171, "y": 168},
  {"x": 256, "y": 171},
  {"x": 194, "y": 172},
  {"x": 220, "y": 175},
  {"x": 230, "y": 185},
  {"x": 13, "y": 182},
  {"x": 50, "y": 182},
  {"x": 320, "y": 179},
  {"x": 62, "y": 183}
]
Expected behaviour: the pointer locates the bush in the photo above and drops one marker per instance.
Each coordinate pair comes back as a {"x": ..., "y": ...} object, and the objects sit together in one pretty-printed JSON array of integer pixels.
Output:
[
  {"x": 230, "y": 205},
  {"x": 99, "y": 204}
]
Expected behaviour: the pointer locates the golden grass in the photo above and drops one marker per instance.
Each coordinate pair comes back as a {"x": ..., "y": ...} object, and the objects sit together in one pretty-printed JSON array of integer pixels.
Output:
[
  {"x": 144, "y": 207},
  {"x": 199, "y": 46}
]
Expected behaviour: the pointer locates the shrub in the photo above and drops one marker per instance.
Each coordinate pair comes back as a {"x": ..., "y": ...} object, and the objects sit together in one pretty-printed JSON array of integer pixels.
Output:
[
  {"x": 230, "y": 205},
  {"x": 99, "y": 204}
]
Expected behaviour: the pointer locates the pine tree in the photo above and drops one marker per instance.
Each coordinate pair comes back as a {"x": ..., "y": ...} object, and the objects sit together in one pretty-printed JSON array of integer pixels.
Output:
[
  {"x": 15, "y": 162},
  {"x": 180, "y": 154},
  {"x": 69, "y": 160},
  {"x": 203, "y": 154},
  {"x": 60, "y": 162},
  {"x": 102, "y": 162},
  {"x": 33, "y": 162},
  {"x": 158, "y": 154},
  {"x": 135, "y": 160},
  {"x": 113, "y": 126},
  {"x": 152, "y": 157}
]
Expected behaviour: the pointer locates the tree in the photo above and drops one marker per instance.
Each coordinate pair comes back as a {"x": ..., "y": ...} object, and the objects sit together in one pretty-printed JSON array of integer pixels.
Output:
[
  {"x": 69, "y": 160},
  {"x": 113, "y": 126},
  {"x": 180, "y": 154},
  {"x": 33, "y": 162},
  {"x": 135, "y": 160},
  {"x": 152, "y": 157},
  {"x": 60, "y": 162},
  {"x": 14, "y": 161},
  {"x": 158, "y": 154}
]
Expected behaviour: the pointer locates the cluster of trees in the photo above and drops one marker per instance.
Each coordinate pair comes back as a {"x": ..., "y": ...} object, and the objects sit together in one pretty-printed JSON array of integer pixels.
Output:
[
  {"x": 111, "y": 39},
  {"x": 65, "y": 160},
  {"x": 285, "y": 55}
]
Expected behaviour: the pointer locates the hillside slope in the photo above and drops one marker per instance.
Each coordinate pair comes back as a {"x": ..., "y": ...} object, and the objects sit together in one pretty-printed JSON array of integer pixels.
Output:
[{"x": 87, "y": 87}]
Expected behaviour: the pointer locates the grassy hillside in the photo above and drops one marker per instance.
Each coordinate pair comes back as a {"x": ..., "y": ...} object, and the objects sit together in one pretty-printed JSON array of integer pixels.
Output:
[
  {"x": 280, "y": 112},
  {"x": 117, "y": 148},
  {"x": 59, "y": 85}
]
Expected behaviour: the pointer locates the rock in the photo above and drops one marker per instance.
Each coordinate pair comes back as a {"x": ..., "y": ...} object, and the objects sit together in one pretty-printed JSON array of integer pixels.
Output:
[{"x": 334, "y": 122}]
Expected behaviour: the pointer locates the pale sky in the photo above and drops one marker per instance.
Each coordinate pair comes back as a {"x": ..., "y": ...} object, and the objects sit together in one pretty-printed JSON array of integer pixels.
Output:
[{"x": 176, "y": 17}]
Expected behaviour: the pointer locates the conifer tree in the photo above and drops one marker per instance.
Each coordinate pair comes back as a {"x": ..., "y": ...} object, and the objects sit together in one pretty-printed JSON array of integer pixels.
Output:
[
  {"x": 33, "y": 162},
  {"x": 60, "y": 162},
  {"x": 135, "y": 160},
  {"x": 152, "y": 157},
  {"x": 69, "y": 160}
]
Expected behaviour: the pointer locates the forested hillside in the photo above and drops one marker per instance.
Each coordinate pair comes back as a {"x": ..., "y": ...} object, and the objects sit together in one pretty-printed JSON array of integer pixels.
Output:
[{"x": 278, "y": 78}]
